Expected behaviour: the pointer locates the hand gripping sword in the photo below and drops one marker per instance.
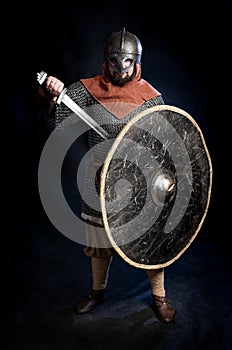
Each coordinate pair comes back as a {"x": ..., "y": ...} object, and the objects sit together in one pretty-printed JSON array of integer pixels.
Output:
[{"x": 64, "y": 98}]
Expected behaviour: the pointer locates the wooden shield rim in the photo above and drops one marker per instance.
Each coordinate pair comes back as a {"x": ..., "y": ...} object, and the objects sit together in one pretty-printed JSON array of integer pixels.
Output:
[{"x": 104, "y": 173}]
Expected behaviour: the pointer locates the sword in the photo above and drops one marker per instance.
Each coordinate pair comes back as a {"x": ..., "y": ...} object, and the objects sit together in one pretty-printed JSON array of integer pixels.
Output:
[{"x": 64, "y": 98}]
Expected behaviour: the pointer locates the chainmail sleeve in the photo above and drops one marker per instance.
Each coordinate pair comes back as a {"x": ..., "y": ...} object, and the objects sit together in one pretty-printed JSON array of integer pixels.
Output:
[{"x": 78, "y": 93}]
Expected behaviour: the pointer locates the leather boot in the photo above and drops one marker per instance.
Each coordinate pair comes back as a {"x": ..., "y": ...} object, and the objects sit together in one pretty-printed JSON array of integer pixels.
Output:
[
  {"x": 93, "y": 299},
  {"x": 163, "y": 309}
]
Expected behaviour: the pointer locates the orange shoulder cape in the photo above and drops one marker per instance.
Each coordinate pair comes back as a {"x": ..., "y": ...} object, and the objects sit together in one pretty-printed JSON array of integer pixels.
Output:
[{"x": 120, "y": 100}]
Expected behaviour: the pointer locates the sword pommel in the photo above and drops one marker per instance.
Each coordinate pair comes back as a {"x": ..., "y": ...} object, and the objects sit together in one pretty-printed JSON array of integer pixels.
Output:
[{"x": 41, "y": 77}]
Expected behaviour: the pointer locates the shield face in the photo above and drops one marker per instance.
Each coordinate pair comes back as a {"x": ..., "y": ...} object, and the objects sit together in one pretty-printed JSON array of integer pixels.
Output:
[{"x": 155, "y": 187}]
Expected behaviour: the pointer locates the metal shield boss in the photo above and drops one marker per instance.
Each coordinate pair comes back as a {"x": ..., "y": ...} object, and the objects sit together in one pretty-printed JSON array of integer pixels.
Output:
[{"x": 155, "y": 187}]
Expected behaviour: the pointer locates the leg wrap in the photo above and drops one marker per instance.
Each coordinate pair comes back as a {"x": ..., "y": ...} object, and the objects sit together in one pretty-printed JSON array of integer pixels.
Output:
[
  {"x": 100, "y": 271},
  {"x": 156, "y": 278}
]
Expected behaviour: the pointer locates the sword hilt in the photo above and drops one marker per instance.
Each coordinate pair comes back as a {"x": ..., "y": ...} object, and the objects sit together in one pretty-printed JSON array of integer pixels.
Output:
[
  {"x": 41, "y": 77},
  {"x": 63, "y": 97}
]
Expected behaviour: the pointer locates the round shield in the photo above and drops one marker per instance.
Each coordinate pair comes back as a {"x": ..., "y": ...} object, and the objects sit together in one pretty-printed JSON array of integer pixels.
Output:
[{"x": 155, "y": 187}]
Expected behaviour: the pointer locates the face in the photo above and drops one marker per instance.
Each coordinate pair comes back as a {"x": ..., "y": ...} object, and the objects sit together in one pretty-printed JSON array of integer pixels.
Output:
[{"x": 120, "y": 71}]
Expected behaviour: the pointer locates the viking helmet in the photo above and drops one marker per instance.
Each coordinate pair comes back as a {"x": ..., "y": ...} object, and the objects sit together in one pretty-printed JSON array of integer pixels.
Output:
[{"x": 122, "y": 46}]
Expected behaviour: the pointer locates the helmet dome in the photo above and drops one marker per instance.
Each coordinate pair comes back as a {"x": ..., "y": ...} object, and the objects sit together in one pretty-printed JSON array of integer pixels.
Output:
[{"x": 122, "y": 46}]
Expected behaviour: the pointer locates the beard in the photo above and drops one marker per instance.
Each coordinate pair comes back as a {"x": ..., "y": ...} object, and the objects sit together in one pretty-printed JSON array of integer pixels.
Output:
[{"x": 117, "y": 80}]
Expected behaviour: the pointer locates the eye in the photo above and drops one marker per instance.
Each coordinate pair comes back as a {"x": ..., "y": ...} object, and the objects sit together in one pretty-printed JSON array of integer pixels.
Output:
[
  {"x": 127, "y": 63},
  {"x": 113, "y": 61}
]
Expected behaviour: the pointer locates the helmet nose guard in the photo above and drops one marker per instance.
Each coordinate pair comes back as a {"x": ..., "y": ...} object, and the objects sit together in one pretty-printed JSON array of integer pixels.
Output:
[{"x": 122, "y": 46}]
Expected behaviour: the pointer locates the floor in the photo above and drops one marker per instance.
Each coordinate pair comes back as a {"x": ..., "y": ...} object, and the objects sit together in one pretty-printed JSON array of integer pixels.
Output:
[{"x": 46, "y": 274}]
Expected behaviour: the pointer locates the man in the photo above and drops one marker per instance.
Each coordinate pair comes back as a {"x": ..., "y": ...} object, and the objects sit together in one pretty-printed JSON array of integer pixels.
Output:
[{"x": 113, "y": 98}]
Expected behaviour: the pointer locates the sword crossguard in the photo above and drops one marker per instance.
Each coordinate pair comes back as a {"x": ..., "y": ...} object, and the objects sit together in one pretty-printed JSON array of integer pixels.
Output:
[{"x": 60, "y": 98}]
